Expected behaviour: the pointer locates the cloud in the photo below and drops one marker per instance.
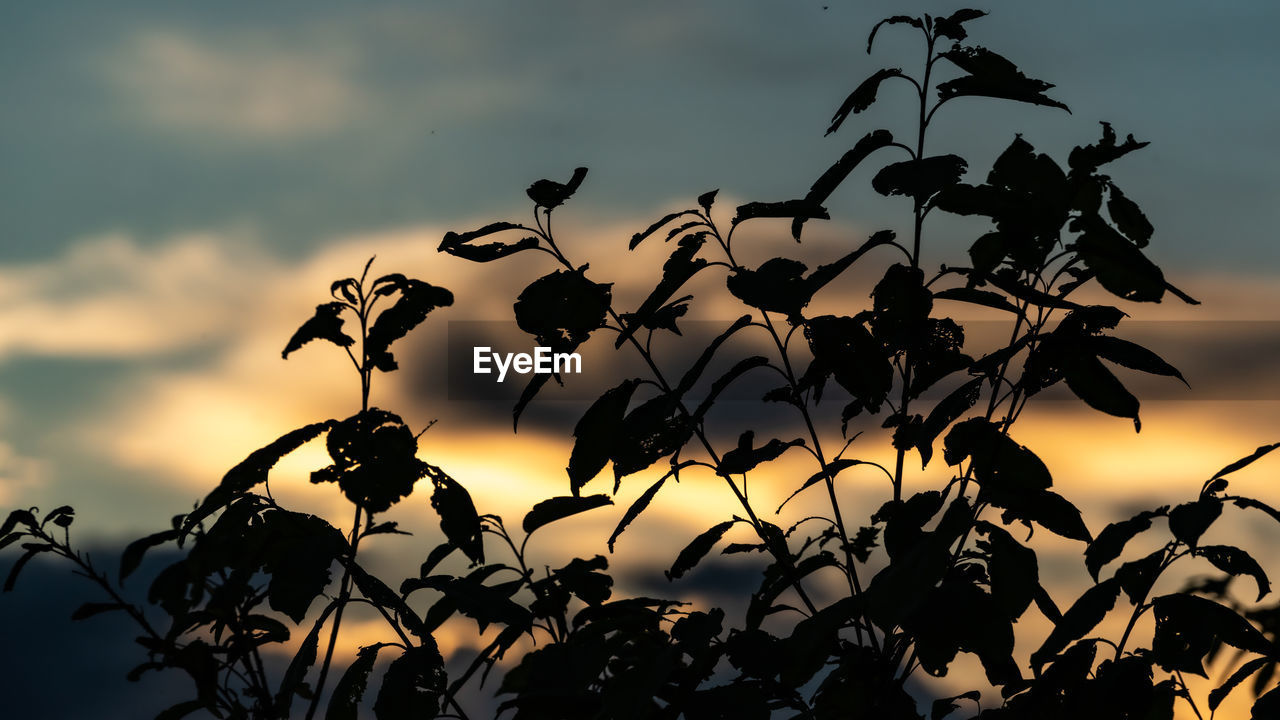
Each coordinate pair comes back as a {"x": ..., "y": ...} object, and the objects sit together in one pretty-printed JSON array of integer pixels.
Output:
[
  {"x": 110, "y": 297},
  {"x": 243, "y": 85}
]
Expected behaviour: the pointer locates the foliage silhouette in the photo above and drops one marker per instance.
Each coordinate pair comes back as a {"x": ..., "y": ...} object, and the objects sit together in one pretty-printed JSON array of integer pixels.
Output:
[{"x": 928, "y": 576}]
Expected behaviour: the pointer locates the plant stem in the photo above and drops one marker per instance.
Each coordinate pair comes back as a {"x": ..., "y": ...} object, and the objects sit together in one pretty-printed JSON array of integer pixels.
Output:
[{"x": 344, "y": 597}]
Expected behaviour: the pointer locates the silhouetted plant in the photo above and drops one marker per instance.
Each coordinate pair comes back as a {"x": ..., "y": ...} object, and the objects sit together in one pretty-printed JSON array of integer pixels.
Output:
[
  {"x": 924, "y": 577},
  {"x": 954, "y": 579}
]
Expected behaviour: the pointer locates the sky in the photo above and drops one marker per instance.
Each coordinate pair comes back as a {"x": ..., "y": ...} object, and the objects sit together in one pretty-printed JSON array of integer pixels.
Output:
[{"x": 182, "y": 181}]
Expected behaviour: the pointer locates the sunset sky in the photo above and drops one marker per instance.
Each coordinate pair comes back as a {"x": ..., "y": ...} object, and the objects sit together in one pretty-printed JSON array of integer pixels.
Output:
[{"x": 182, "y": 181}]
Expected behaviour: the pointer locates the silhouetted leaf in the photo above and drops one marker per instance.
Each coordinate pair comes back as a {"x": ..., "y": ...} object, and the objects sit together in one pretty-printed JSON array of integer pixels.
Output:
[
  {"x": 643, "y": 501},
  {"x": 413, "y": 684},
  {"x": 1093, "y": 383},
  {"x": 88, "y": 610},
  {"x": 594, "y": 434},
  {"x": 814, "y": 639},
  {"x": 974, "y": 296},
  {"x": 1132, "y": 356},
  {"x": 526, "y": 396},
  {"x": 344, "y": 704},
  {"x": 919, "y": 178},
  {"x": 1266, "y": 706},
  {"x": 181, "y": 710},
  {"x": 1083, "y": 616},
  {"x": 862, "y": 97},
  {"x": 947, "y": 411},
  {"x": 1137, "y": 577},
  {"x": 1128, "y": 217},
  {"x": 561, "y": 309},
  {"x": 1054, "y": 512},
  {"x": 676, "y": 271},
  {"x": 1087, "y": 159},
  {"x": 326, "y": 324},
  {"x": 32, "y": 549},
  {"x": 1012, "y": 569},
  {"x": 1188, "y": 626},
  {"x": 945, "y": 706},
  {"x": 835, "y": 467},
  {"x": 549, "y": 194},
  {"x": 802, "y": 208},
  {"x": 374, "y": 459},
  {"x": 1218, "y": 694},
  {"x": 721, "y": 383},
  {"x": 895, "y": 20},
  {"x": 991, "y": 75},
  {"x": 698, "y": 549},
  {"x": 1234, "y": 561},
  {"x": 844, "y": 349},
  {"x": 458, "y": 244},
  {"x": 1189, "y": 521},
  {"x": 133, "y": 552},
  {"x": 1011, "y": 476},
  {"x": 416, "y": 300},
  {"x": 487, "y": 604},
  {"x": 836, "y": 174},
  {"x": 1111, "y": 541},
  {"x": 952, "y": 27},
  {"x": 298, "y": 550},
  {"x": 746, "y": 457},
  {"x": 296, "y": 673},
  {"x": 15, "y": 517},
  {"x": 1237, "y": 465},
  {"x": 779, "y": 284},
  {"x": 556, "y": 508},
  {"x": 458, "y": 518},
  {"x": 650, "y": 432},
  {"x": 690, "y": 377},
  {"x": 1119, "y": 266},
  {"x": 253, "y": 470}
]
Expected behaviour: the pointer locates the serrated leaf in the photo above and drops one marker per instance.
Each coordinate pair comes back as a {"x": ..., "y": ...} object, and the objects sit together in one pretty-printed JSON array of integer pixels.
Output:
[
  {"x": 919, "y": 178},
  {"x": 658, "y": 225},
  {"x": 459, "y": 244},
  {"x": 1128, "y": 217},
  {"x": 801, "y": 208},
  {"x": 417, "y": 299},
  {"x": 952, "y": 27},
  {"x": 746, "y": 457},
  {"x": 992, "y": 75},
  {"x": 325, "y": 324},
  {"x": 344, "y": 704}
]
